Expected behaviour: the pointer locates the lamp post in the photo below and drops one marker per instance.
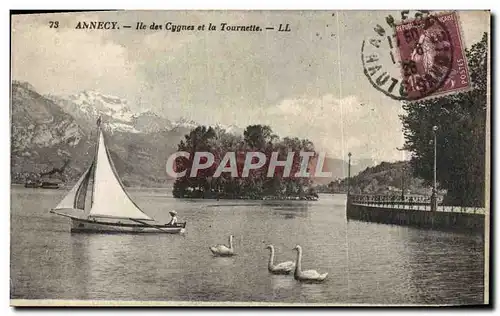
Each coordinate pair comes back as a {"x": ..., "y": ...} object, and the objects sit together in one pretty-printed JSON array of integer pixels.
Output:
[
  {"x": 349, "y": 176},
  {"x": 403, "y": 183},
  {"x": 434, "y": 185}
]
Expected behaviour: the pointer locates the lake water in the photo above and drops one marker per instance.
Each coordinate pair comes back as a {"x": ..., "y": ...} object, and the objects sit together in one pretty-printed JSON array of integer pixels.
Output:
[{"x": 368, "y": 263}]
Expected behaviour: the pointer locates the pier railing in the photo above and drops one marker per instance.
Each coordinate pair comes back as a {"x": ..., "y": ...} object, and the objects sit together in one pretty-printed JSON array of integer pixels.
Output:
[{"x": 422, "y": 203}]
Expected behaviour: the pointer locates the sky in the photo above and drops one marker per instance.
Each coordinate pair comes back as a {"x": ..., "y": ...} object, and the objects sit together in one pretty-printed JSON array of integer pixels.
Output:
[{"x": 307, "y": 83}]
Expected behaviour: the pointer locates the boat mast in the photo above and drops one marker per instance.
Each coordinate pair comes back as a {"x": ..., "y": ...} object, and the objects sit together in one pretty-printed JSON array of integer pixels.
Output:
[{"x": 95, "y": 161}]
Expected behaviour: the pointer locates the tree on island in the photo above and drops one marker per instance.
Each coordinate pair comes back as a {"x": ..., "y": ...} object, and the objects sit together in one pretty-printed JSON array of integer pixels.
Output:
[
  {"x": 256, "y": 138},
  {"x": 461, "y": 121}
]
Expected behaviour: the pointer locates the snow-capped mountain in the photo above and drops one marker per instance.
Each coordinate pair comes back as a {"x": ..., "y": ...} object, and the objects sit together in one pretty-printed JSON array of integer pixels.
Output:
[
  {"x": 117, "y": 116},
  {"x": 232, "y": 129},
  {"x": 96, "y": 103},
  {"x": 183, "y": 122},
  {"x": 115, "y": 113},
  {"x": 190, "y": 124},
  {"x": 47, "y": 131}
]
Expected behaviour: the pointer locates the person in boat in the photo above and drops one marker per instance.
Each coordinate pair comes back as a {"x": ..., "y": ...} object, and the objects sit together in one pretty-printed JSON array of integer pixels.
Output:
[{"x": 173, "y": 221}]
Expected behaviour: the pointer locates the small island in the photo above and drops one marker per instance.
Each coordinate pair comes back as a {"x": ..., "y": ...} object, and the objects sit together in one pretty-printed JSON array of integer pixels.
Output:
[
  {"x": 257, "y": 185},
  {"x": 311, "y": 195}
]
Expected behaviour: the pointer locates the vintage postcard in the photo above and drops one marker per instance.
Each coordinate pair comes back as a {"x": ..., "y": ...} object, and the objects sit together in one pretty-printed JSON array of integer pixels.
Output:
[{"x": 250, "y": 158}]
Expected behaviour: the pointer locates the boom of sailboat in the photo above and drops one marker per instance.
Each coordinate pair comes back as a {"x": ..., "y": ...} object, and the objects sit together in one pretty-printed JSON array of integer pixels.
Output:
[{"x": 109, "y": 209}]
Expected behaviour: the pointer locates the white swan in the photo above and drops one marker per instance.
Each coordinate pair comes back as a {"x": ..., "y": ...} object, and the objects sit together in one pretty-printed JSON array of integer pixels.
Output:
[
  {"x": 309, "y": 275},
  {"x": 223, "y": 250},
  {"x": 281, "y": 268}
]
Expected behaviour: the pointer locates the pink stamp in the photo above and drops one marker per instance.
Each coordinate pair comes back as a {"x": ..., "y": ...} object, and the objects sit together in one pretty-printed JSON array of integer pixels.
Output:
[{"x": 432, "y": 57}]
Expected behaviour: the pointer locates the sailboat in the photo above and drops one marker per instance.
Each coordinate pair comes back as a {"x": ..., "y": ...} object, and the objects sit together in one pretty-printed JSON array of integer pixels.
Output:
[{"x": 110, "y": 209}]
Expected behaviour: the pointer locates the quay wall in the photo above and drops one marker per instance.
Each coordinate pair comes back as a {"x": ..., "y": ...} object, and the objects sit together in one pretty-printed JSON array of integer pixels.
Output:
[{"x": 417, "y": 218}]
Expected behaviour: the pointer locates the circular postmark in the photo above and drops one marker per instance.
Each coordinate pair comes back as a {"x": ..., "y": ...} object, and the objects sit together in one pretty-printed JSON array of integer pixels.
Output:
[{"x": 420, "y": 49}]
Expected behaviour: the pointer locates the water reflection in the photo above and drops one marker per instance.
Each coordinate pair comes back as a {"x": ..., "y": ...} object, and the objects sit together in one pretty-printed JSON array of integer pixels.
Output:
[
  {"x": 314, "y": 292},
  {"x": 106, "y": 265},
  {"x": 218, "y": 262},
  {"x": 367, "y": 263},
  {"x": 79, "y": 258},
  {"x": 230, "y": 204},
  {"x": 282, "y": 281},
  {"x": 288, "y": 204},
  {"x": 291, "y": 211},
  {"x": 432, "y": 262},
  {"x": 378, "y": 260}
]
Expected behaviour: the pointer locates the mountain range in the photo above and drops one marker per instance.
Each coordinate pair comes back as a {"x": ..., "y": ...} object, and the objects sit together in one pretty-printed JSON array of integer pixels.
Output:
[{"x": 48, "y": 130}]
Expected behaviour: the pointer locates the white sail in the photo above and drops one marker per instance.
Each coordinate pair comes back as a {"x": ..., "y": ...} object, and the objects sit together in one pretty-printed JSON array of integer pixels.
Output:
[
  {"x": 68, "y": 202},
  {"x": 109, "y": 197}
]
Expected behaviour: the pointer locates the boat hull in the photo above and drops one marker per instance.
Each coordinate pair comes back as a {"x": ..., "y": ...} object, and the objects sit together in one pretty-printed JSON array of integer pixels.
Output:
[
  {"x": 48, "y": 185},
  {"x": 42, "y": 185},
  {"x": 91, "y": 226}
]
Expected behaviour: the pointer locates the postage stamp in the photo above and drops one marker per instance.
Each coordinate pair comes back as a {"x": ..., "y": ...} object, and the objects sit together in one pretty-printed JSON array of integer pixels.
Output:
[
  {"x": 249, "y": 158},
  {"x": 432, "y": 56},
  {"x": 426, "y": 50}
]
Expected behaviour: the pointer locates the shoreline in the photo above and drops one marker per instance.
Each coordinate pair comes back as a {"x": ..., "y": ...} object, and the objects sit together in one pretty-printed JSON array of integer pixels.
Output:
[
  {"x": 246, "y": 199},
  {"x": 208, "y": 197}
]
